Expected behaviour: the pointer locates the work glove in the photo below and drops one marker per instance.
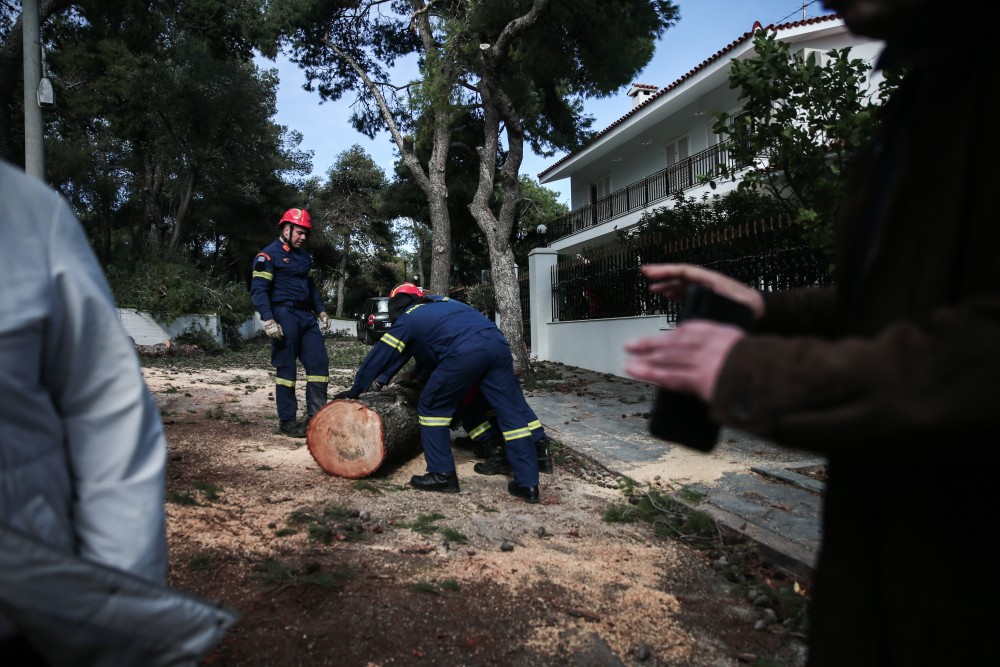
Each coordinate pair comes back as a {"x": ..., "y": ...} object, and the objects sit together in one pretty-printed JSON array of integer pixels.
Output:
[
  {"x": 324, "y": 321},
  {"x": 349, "y": 393},
  {"x": 273, "y": 330},
  {"x": 375, "y": 386}
]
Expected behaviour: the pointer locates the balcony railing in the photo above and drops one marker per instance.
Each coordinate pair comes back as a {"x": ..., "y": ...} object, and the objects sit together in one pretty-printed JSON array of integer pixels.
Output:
[{"x": 684, "y": 175}]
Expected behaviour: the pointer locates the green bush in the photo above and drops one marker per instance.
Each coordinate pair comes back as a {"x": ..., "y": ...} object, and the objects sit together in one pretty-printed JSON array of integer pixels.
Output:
[
  {"x": 166, "y": 290},
  {"x": 482, "y": 298}
]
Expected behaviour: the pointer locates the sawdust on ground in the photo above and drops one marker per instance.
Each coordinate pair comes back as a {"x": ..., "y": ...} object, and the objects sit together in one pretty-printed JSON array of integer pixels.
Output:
[{"x": 330, "y": 571}]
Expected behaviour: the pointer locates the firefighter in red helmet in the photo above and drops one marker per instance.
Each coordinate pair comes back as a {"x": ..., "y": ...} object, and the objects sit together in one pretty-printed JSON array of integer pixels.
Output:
[
  {"x": 455, "y": 347},
  {"x": 285, "y": 295}
]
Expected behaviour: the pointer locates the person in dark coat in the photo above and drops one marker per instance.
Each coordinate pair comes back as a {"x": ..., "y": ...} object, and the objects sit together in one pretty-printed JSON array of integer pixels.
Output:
[
  {"x": 456, "y": 346},
  {"x": 892, "y": 373}
]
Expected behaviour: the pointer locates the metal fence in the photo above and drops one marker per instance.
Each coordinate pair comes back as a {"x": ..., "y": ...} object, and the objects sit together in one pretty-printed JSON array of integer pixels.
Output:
[
  {"x": 770, "y": 255},
  {"x": 686, "y": 174}
]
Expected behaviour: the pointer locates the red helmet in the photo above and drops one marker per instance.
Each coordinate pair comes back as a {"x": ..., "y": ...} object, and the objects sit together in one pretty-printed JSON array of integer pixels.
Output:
[
  {"x": 296, "y": 216},
  {"x": 406, "y": 288}
]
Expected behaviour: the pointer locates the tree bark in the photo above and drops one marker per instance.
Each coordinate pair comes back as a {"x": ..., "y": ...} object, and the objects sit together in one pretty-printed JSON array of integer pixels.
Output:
[
  {"x": 353, "y": 438},
  {"x": 182, "y": 210},
  {"x": 342, "y": 272},
  {"x": 497, "y": 108}
]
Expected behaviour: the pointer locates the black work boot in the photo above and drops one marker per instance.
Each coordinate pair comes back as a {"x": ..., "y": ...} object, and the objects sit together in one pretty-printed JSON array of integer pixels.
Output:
[
  {"x": 315, "y": 397},
  {"x": 495, "y": 465},
  {"x": 445, "y": 482},
  {"x": 544, "y": 456},
  {"x": 485, "y": 450},
  {"x": 528, "y": 493},
  {"x": 292, "y": 429}
]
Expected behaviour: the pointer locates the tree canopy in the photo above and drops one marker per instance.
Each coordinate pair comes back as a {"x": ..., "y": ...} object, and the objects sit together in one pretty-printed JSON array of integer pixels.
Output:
[
  {"x": 518, "y": 70},
  {"x": 801, "y": 120},
  {"x": 163, "y": 137}
]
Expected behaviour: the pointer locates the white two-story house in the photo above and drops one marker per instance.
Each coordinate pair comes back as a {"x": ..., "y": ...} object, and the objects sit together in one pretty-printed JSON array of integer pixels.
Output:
[{"x": 662, "y": 144}]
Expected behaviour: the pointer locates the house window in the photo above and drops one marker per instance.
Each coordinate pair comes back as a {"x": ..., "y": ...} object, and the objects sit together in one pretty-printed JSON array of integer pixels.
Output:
[
  {"x": 600, "y": 189},
  {"x": 713, "y": 137},
  {"x": 818, "y": 56},
  {"x": 678, "y": 150},
  {"x": 678, "y": 173}
]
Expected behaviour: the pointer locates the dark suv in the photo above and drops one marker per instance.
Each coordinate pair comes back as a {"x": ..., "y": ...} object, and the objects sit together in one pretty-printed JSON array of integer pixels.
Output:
[{"x": 373, "y": 320}]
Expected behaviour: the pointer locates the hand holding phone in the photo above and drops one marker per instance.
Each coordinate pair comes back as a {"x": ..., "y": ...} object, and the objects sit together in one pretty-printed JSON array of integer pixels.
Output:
[{"x": 683, "y": 418}]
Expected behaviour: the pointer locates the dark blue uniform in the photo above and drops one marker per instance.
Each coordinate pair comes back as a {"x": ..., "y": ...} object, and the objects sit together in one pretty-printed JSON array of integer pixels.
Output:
[
  {"x": 462, "y": 347},
  {"x": 282, "y": 290}
]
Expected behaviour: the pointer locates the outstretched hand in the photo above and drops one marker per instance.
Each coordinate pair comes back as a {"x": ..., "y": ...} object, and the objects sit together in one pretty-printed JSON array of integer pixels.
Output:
[
  {"x": 687, "y": 359},
  {"x": 671, "y": 280}
]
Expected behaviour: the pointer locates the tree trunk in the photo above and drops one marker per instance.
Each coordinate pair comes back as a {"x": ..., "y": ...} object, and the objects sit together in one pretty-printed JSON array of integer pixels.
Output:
[
  {"x": 437, "y": 204},
  {"x": 342, "y": 273},
  {"x": 181, "y": 214},
  {"x": 352, "y": 438},
  {"x": 497, "y": 229}
]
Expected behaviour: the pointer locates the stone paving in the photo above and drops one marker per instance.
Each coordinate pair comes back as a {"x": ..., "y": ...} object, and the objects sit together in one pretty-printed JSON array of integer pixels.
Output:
[{"x": 750, "y": 485}]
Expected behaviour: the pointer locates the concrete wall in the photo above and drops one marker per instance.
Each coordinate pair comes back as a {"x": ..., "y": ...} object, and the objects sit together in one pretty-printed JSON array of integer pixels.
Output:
[
  {"x": 593, "y": 344},
  {"x": 145, "y": 330},
  {"x": 597, "y": 345}
]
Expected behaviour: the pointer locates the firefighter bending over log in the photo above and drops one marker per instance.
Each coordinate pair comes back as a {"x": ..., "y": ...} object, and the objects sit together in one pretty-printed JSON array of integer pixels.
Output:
[
  {"x": 461, "y": 347},
  {"x": 479, "y": 420}
]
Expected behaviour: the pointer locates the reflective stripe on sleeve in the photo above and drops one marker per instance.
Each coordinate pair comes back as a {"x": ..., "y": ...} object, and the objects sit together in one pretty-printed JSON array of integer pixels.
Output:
[
  {"x": 263, "y": 274},
  {"x": 393, "y": 342}
]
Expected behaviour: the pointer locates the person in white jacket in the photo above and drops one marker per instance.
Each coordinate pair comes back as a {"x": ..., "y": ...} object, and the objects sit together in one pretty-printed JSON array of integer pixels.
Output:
[{"x": 82, "y": 459}]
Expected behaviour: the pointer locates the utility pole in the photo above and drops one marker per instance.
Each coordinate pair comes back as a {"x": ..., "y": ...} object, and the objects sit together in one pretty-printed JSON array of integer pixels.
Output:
[
  {"x": 34, "y": 147},
  {"x": 804, "y": 4}
]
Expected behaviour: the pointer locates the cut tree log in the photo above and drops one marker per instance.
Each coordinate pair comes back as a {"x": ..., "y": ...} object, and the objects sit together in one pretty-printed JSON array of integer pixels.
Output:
[{"x": 353, "y": 438}]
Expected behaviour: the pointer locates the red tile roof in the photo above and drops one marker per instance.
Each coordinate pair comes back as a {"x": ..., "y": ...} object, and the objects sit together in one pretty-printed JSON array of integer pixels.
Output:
[{"x": 726, "y": 49}]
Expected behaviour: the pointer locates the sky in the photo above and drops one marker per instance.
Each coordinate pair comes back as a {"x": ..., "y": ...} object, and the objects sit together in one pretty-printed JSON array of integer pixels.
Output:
[{"x": 705, "y": 27}]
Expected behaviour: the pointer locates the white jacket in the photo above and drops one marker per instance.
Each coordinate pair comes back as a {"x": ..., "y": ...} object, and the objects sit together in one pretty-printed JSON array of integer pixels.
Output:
[{"x": 82, "y": 449}]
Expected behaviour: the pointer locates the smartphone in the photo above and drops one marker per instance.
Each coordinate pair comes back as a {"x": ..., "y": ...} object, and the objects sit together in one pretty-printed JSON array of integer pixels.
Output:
[{"x": 683, "y": 418}]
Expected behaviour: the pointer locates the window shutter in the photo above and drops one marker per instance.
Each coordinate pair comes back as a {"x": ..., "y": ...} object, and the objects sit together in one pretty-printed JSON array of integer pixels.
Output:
[{"x": 678, "y": 150}]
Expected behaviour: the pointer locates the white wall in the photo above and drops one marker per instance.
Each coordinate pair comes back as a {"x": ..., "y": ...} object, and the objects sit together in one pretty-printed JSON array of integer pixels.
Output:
[
  {"x": 145, "y": 330},
  {"x": 598, "y": 345}
]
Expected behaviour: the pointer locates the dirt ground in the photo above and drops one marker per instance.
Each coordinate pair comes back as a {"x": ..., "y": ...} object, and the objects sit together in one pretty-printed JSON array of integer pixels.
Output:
[{"x": 369, "y": 572}]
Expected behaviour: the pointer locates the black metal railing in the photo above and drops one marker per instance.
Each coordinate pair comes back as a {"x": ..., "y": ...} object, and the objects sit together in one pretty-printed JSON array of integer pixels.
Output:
[
  {"x": 770, "y": 255},
  {"x": 684, "y": 175}
]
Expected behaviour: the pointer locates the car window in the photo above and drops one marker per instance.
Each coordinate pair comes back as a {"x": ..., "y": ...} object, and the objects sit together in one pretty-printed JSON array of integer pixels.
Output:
[{"x": 383, "y": 305}]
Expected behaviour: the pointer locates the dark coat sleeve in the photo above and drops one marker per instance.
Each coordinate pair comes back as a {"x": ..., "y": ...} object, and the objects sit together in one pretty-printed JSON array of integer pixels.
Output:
[
  {"x": 913, "y": 381},
  {"x": 905, "y": 352}
]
